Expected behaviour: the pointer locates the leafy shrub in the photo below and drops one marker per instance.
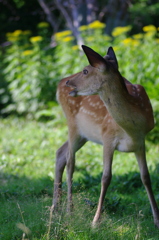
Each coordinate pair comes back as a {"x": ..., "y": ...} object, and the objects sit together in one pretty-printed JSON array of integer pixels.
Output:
[
  {"x": 33, "y": 68},
  {"x": 5, "y": 97},
  {"x": 29, "y": 72}
]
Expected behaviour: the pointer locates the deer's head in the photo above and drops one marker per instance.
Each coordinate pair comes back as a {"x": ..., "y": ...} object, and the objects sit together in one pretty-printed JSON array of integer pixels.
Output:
[{"x": 91, "y": 79}]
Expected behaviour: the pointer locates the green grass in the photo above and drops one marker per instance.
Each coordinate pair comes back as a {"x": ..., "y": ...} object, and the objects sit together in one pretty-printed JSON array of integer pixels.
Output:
[{"x": 27, "y": 161}]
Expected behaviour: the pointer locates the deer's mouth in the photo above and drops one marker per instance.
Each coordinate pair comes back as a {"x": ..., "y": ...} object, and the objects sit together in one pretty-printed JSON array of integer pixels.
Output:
[{"x": 73, "y": 93}]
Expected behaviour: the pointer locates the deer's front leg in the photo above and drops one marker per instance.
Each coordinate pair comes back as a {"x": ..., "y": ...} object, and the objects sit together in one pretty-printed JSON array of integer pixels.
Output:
[
  {"x": 105, "y": 181},
  {"x": 145, "y": 177},
  {"x": 70, "y": 171},
  {"x": 61, "y": 155}
]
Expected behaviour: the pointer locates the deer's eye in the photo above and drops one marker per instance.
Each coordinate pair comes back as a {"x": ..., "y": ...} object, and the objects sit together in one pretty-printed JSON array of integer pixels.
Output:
[{"x": 85, "y": 71}]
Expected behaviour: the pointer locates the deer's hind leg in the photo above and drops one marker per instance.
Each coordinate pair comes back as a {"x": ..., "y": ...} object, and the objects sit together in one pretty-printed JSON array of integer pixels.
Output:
[
  {"x": 61, "y": 159},
  {"x": 145, "y": 177},
  {"x": 75, "y": 143}
]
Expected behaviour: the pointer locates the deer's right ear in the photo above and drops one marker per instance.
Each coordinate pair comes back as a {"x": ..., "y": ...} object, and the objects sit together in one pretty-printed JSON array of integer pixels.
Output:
[
  {"x": 94, "y": 58},
  {"x": 112, "y": 55}
]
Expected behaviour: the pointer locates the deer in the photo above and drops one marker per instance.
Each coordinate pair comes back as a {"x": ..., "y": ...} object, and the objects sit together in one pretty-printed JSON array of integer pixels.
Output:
[{"x": 102, "y": 106}]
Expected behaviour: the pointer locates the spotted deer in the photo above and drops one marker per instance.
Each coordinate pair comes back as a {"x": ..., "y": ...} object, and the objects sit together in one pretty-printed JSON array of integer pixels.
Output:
[{"x": 119, "y": 116}]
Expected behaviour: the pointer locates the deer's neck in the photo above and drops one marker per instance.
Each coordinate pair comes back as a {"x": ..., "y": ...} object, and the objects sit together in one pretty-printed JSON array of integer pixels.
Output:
[{"x": 120, "y": 105}]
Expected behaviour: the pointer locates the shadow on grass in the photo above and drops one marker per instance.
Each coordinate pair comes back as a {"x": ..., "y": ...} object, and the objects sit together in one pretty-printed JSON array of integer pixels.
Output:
[
  {"x": 27, "y": 201},
  {"x": 126, "y": 184},
  {"x": 16, "y": 186}
]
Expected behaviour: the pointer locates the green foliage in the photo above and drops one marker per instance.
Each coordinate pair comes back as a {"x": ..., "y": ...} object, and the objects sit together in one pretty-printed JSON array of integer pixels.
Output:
[
  {"x": 19, "y": 14},
  {"x": 29, "y": 72},
  {"x": 27, "y": 160},
  {"x": 19, "y": 3},
  {"x": 5, "y": 97},
  {"x": 142, "y": 13},
  {"x": 32, "y": 69}
]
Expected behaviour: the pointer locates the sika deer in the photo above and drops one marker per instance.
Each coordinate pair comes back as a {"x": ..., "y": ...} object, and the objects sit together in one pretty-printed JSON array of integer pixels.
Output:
[{"x": 119, "y": 118}]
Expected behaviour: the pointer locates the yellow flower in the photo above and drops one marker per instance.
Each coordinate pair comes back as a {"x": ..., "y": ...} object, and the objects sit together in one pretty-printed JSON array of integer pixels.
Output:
[
  {"x": 75, "y": 47},
  {"x": 60, "y": 35},
  {"x": 27, "y": 52},
  {"x": 149, "y": 28},
  {"x": 135, "y": 42},
  {"x": 67, "y": 39},
  {"x": 89, "y": 39},
  {"x": 27, "y": 32},
  {"x": 150, "y": 34},
  {"x": 13, "y": 39},
  {"x": 36, "y": 39},
  {"x": 127, "y": 41},
  {"x": 116, "y": 48},
  {"x": 43, "y": 25},
  {"x": 96, "y": 24},
  {"x": 120, "y": 30},
  {"x": 138, "y": 36},
  {"x": 107, "y": 38},
  {"x": 130, "y": 41},
  {"x": 83, "y": 28},
  {"x": 16, "y": 33},
  {"x": 9, "y": 34}
]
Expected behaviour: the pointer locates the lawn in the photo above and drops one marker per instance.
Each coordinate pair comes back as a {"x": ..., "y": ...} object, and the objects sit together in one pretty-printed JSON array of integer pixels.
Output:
[{"x": 27, "y": 162}]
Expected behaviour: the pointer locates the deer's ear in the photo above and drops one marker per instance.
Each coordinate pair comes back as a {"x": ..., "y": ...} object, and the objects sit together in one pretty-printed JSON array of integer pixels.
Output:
[
  {"x": 111, "y": 56},
  {"x": 94, "y": 58}
]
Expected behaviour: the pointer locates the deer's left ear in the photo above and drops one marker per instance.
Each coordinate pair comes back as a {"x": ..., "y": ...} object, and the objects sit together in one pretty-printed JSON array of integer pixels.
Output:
[{"x": 94, "y": 58}]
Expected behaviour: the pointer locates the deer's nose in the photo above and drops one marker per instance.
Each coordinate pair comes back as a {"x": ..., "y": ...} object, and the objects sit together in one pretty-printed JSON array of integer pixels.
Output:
[{"x": 70, "y": 84}]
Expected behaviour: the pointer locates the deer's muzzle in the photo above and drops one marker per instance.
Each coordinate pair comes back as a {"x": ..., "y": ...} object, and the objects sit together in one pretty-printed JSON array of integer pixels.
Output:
[{"x": 73, "y": 93}]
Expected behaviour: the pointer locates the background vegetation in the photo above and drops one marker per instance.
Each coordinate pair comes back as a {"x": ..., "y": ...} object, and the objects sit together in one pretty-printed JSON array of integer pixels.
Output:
[
  {"x": 33, "y": 59},
  {"x": 31, "y": 69}
]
